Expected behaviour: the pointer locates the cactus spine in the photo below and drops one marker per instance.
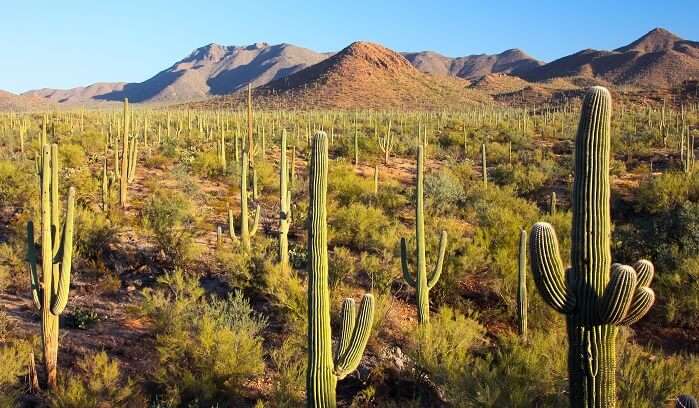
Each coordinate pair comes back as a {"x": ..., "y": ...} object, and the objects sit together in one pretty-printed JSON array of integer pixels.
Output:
[
  {"x": 594, "y": 300},
  {"x": 686, "y": 401},
  {"x": 51, "y": 295},
  {"x": 284, "y": 206},
  {"x": 421, "y": 283},
  {"x": 323, "y": 371},
  {"x": 522, "y": 285}
]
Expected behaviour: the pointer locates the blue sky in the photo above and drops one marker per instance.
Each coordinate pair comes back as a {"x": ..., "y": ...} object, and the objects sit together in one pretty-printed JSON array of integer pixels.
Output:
[{"x": 61, "y": 44}]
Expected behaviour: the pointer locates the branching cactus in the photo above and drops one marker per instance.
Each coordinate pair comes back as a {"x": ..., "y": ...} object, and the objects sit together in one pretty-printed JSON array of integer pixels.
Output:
[
  {"x": 245, "y": 231},
  {"x": 323, "y": 370},
  {"x": 50, "y": 294},
  {"x": 522, "y": 285},
  {"x": 595, "y": 295},
  {"x": 420, "y": 282},
  {"x": 284, "y": 206},
  {"x": 386, "y": 144}
]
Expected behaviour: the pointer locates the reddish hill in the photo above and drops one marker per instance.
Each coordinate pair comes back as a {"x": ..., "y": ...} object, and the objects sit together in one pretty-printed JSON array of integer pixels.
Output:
[
  {"x": 658, "y": 59},
  {"x": 512, "y": 61},
  {"x": 12, "y": 102},
  {"x": 363, "y": 75}
]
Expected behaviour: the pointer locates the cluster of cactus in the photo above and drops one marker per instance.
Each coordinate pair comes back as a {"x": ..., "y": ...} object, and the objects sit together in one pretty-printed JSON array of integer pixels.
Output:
[
  {"x": 284, "y": 206},
  {"x": 50, "y": 293},
  {"x": 323, "y": 370},
  {"x": 386, "y": 143},
  {"x": 420, "y": 282},
  {"x": 594, "y": 300}
]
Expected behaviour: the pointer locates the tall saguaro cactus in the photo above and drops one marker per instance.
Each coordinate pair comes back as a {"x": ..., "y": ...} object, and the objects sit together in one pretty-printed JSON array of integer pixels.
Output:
[
  {"x": 323, "y": 371},
  {"x": 522, "y": 285},
  {"x": 284, "y": 206},
  {"x": 421, "y": 283},
  {"x": 595, "y": 295},
  {"x": 124, "y": 182},
  {"x": 50, "y": 294},
  {"x": 245, "y": 231}
]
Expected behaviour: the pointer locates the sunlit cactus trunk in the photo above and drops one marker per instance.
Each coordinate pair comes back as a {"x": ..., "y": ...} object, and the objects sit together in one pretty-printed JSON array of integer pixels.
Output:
[
  {"x": 51, "y": 295},
  {"x": 420, "y": 282},
  {"x": 595, "y": 295},
  {"x": 522, "y": 285},
  {"x": 323, "y": 371},
  {"x": 284, "y": 206},
  {"x": 123, "y": 182}
]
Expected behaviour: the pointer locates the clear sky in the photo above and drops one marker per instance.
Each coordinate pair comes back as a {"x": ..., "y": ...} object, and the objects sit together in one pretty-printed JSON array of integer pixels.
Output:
[{"x": 62, "y": 44}]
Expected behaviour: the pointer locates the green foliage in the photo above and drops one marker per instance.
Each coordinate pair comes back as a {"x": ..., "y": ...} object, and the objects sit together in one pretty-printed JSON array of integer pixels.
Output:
[
  {"x": 82, "y": 318},
  {"x": 361, "y": 228},
  {"x": 206, "y": 351},
  {"x": 98, "y": 383},
  {"x": 168, "y": 216},
  {"x": 444, "y": 191},
  {"x": 94, "y": 234},
  {"x": 17, "y": 183},
  {"x": 647, "y": 381},
  {"x": 342, "y": 266},
  {"x": 15, "y": 359}
]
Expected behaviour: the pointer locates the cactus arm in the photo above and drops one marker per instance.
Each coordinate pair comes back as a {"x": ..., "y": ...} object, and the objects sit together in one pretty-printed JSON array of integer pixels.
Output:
[
  {"x": 349, "y": 317},
  {"x": 256, "y": 221},
  {"x": 615, "y": 302},
  {"x": 350, "y": 359},
  {"x": 33, "y": 273},
  {"x": 66, "y": 258},
  {"x": 547, "y": 268},
  {"x": 404, "y": 263},
  {"x": 641, "y": 303},
  {"x": 644, "y": 272},
  {"x": 440, "y": 261}
]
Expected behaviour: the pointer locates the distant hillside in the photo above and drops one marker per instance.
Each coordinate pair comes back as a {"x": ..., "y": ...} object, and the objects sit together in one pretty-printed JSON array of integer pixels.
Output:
[
  {"x": 658, "y": 59},
  {"x": 210, "y": 70},
  {"x": 363, "y": 75},
  {"x": 512, "y": 61},
  {"x": 12, "y": 102}
]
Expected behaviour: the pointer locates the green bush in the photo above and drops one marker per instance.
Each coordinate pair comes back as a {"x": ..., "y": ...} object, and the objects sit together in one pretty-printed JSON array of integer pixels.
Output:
[
  {"x": 361, "y": 228},
  {"x": 94, "y": 234},
  {"x": 15, "y": 359},
  {"x": 98, "y": 383},
  {"x": 18, "y": 185},
  {"x": 168, "y": 215},
  {"x": 206, "y": 351}
]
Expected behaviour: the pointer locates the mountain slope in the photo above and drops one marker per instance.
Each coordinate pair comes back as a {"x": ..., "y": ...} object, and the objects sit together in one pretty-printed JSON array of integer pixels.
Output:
[
  {"x": 12, "y": 102},
  {"x": 512, "y": 61},
  {"x": 658, "y": 59},
  {"x": 210, "y": 70},
  {"x": 363, "y": 75}
]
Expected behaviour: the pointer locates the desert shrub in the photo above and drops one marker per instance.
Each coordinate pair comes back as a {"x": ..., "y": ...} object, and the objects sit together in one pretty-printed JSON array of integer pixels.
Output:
[
  {"x": 12, "y": 264},
  {"x": 443, "y": 191},
  {"x": 381, "y": 269},
  {"x": 342, "y": 266},
  {"x": 287, "y": 292},
  {"x": 524, "y": 179},
  {"x": 680, "y": 291},
  {"x": 647, "y": 380},
  {"x": 347, "y": 187},
  {"x": 94, "y": 233},
  {"x": 18, "y": 185},
  {"x": 361, "y": 228},
  {"x": 289, "y": 360},
  {"x": 71, "y": 156},
  {"x": 98, "y": 383},
  {"x": 82, "y": 318},
  {"x": 666, "y": 191},
  {"x": 235, "y": 266},
  {"x": 15, "y": 359},
  {"x": 206, "y": 350},
  {"x": 168, "y": 216},
  {"x": 206, "y": 164}
]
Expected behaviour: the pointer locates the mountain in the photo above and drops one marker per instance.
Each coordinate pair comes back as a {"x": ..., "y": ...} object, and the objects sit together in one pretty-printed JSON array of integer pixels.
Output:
[
  {"x": 658, "y": 59},
  {"x": 13, "y": 102},
  {"x": 512, "y": 61},
  {"x": 363, "y": 75},
  {"x": 210, "y": 70}
]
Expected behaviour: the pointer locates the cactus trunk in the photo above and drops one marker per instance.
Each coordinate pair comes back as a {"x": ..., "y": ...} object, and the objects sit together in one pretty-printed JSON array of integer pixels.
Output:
[
  {"x": 522, "y": 285},
  {"x": 284, "y": 207}
]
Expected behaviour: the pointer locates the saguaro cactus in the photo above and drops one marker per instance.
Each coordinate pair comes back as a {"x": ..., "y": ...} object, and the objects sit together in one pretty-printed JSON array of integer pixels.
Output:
[
  {"x": 221, "y": 150},
  {"x": 386, "y": 144},
  {"x": 686, "y": 401},
  {"x": 484, "y": 166},
  {"x": 595, "y": 295},
  {"x": 522, "y": 285},
  {"x": 323, "y": 371},
  {"x": 50, "y": 295},
  {"x": 245, "y": 231},
  {"x": 284, "y": 206},
  {"x": 123, "y": 183},
  {"x": 421, "y": 284}
]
